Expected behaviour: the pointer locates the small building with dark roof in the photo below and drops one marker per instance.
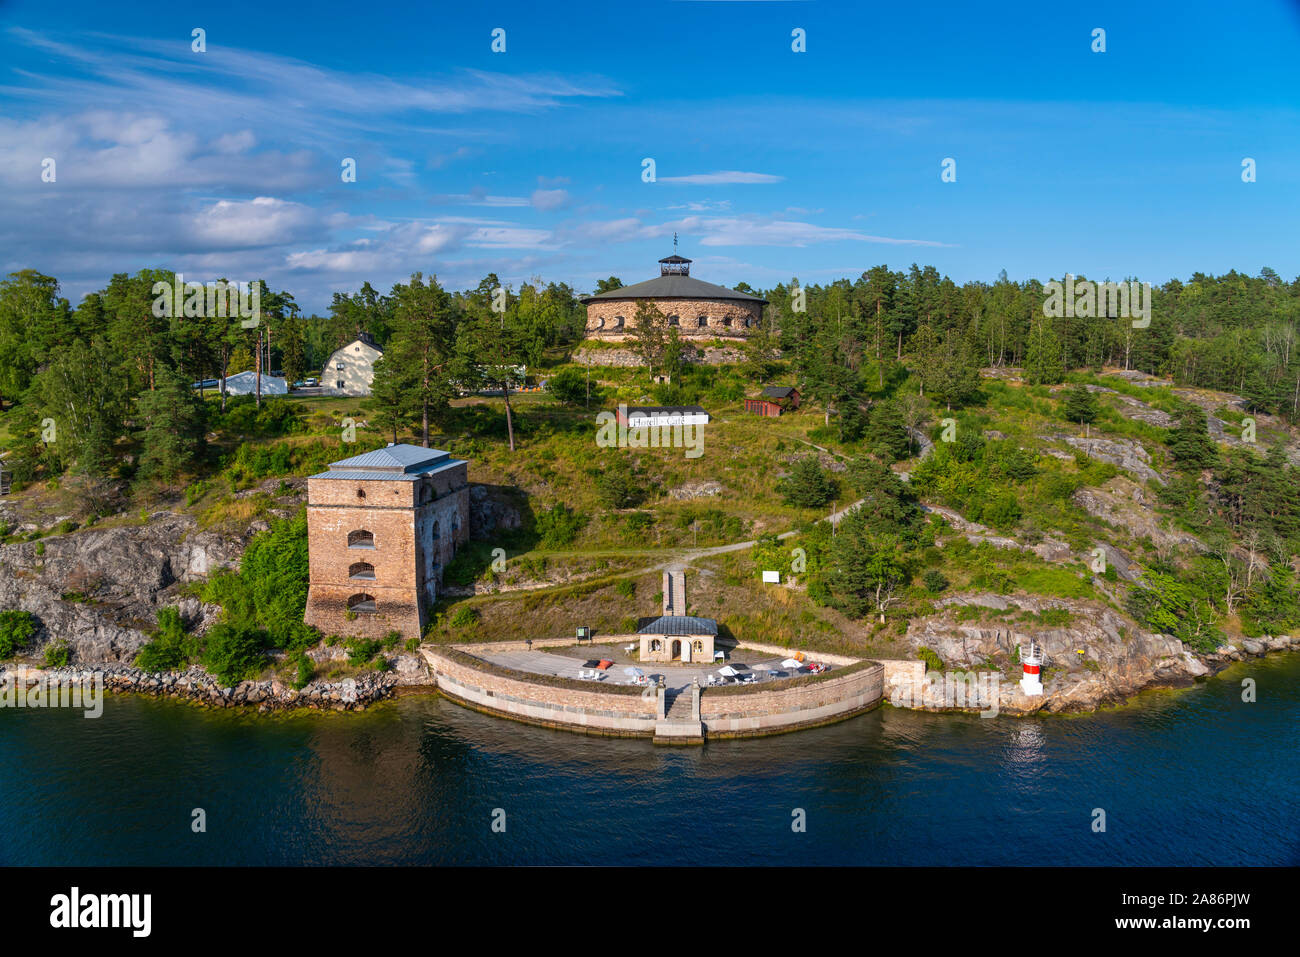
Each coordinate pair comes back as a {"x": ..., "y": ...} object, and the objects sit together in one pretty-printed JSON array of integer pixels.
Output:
[
  {"x": 774, "y": 400},
  {"x": 697, "y": 309},
  {"x": 681, "y": 638},
  {"x": 674, "y": 635}
]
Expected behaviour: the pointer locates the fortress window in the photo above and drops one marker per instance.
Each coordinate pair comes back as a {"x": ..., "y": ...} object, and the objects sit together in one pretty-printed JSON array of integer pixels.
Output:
[
  {"x": 748, "y": 322},
  {"x": 726, "y": 321},
  {"x": 362, "y": 604},
  {"x": 702, "y": 321},
  {"x": 339, "y": 366},
  {"x": 674, "y": 321},
  {"x": 435, "y": 529},
  {"x": 361, "y": 493},
  {"x": 600, "y": 323},
  {"x": 618, "y": 322},
  {"x": 362, "y": 570},
  {"x": 361, "y": 539}
]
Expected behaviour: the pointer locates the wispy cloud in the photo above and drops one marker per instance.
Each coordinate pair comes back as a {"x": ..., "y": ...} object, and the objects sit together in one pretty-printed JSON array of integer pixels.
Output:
[{"x": 722, "y": 177}]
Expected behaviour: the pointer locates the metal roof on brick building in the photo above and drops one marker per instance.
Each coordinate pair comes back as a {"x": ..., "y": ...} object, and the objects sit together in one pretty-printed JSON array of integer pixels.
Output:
[
  {"x": 395, "y": 463},
  {"x": 679, "y": 625},
  {"x": 674, "y": 287}
]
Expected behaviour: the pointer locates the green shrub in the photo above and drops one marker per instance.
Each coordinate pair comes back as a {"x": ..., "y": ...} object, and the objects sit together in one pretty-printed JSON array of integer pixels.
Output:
[
  {"x": 57, "y": 654},
  {"x": 935, "y": 582},
  {"x": 559, "y": 525},
  {"x": 625, "y": 587},
  {"x": 569, "y": 385},
  {"x": 361, "y": 650},
  {"x": 932, "y": 661},
  {"x": 170, "y": 649},
  {"x": 269, "y": 591},
  {"x": 305, "y": 671},
  {"x": 17, "y": 628},
  {"x": 463, "y": 617},
  {"x": 234, "y": 653}
]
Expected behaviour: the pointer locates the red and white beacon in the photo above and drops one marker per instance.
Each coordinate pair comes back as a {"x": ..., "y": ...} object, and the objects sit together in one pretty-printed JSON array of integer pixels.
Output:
[{"x": 1031, "y": 682}]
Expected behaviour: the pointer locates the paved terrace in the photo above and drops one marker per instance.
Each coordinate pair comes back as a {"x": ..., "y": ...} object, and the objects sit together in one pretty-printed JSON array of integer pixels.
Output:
[{"x": 568, "y": 661}]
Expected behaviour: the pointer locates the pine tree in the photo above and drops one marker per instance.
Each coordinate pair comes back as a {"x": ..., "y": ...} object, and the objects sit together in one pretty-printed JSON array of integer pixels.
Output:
[
  {"x": 886, "y": 431},
  {"x": 424, "y": 343},
  {"x": 807, "y": 485},
  {"x": 1080, "y": 405},
  {"x": 172, "y": 416},
  {"x": 390, "y": 396},
  {"x": 1190, "y": 442},
  {"x": 1043, "y": 361}
]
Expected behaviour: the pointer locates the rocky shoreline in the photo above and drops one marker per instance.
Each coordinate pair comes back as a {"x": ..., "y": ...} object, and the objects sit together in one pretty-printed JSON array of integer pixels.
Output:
[
  {"x": 199, "y": 687},
  {"x": 1070, "y": 694}
]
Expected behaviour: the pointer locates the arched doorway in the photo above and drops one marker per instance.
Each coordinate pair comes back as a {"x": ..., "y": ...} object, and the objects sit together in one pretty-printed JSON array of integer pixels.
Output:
[{"x": 677, "y": 649}]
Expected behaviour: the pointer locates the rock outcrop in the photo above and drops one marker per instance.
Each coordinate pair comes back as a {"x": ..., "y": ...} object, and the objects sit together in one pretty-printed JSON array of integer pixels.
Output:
[
  {"x": 1098, "y": 658},
  {"x": 100, "y": 589}
]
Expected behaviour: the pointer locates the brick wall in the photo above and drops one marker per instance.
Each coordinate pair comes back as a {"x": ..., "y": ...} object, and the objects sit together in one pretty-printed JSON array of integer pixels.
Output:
[
  {"x": 416, "y": 527},
  {"x": 723, "y": 317},
  {"x": 589, "y": 709},
  {"x": 801, "y": 705}
]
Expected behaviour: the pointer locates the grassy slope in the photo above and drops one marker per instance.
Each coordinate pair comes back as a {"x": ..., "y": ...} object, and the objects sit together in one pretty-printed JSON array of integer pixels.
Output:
[{"x": 555, "y": 463}]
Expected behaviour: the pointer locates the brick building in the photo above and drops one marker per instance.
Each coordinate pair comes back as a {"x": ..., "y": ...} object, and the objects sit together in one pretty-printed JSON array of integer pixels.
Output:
[
  {"x": 381, "y": 527},
  {"x": 698, "y": 309}
]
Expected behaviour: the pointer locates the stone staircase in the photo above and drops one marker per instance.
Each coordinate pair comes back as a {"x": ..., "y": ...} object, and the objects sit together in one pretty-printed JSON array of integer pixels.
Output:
[{"x": 681, "y": 721}]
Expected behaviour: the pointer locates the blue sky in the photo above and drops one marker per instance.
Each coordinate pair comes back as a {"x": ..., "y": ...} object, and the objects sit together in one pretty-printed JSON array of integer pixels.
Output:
[{"x": 770, "y": 163}]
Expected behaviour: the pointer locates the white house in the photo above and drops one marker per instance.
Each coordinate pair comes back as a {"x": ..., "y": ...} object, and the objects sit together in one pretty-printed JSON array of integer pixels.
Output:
[
  {"x": 351, "y": 370},
  {"x": 245, "y": 383},
  {"x": 657, "y": 416}
]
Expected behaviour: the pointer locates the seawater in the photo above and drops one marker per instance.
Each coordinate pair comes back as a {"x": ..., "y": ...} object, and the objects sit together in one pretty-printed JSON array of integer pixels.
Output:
[{"x": 1187, "y": 777}]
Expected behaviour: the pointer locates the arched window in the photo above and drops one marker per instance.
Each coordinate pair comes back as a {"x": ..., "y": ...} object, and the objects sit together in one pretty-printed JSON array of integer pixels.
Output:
[
  {"x": 361, "y": 539},
  {"x": 698, "y": 646},
  {"x": 435, "y": 528},
  {"x": 674, "y": 321},
  {"x": 702, "y": 321},
  {"x": 361, "y": 493},
  {"x": 618, "y": 322},
  {"x": 656, "y": 644},
  {"x": 362, "y": 570},
  {"x": 362, "y": 604}
]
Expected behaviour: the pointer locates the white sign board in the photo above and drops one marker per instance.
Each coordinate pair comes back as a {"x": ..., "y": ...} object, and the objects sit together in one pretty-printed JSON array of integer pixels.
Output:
[{"x": 773, "y": 578}]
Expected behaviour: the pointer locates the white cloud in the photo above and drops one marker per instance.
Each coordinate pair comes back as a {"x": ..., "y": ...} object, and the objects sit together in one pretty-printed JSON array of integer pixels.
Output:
[
  {"x": 721, "y": 177},
  {"x": 263, "y": 221},
  {"x": 546, "y": 200}
]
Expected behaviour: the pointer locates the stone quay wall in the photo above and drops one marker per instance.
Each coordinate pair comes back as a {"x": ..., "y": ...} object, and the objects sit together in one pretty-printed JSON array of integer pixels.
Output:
[
  {"x": 805, "y": 703},
  {"x": 537, "y": 699}
]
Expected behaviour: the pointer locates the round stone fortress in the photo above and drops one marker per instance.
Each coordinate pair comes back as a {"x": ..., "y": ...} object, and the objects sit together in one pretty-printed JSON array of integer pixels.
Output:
[{"x": 697, "y": 309}]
